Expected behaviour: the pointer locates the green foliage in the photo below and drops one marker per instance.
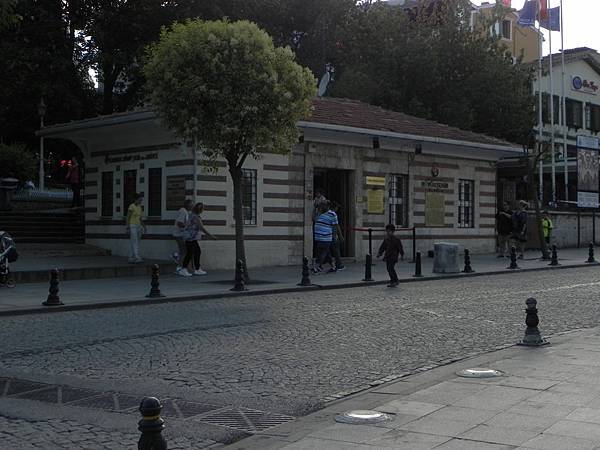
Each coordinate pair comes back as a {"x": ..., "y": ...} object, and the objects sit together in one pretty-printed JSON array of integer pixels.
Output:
[
  {"x": 429, "y": 63},
  {"x": 8, "y": 15},
  {"x": 227, "y": 87},
  {"x": 17, "y": 162}
]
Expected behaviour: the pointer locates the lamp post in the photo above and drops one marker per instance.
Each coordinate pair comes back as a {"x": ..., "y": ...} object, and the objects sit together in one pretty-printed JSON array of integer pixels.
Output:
[{"x": 41, "y": 113}]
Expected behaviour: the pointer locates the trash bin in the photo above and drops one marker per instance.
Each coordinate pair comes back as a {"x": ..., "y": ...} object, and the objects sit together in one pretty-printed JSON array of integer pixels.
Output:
[
  {"x": 7, "y": 187},
  {"x": 445, "y": 259}
]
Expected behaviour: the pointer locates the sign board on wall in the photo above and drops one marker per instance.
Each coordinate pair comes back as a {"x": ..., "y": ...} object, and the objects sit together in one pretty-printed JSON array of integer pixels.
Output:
[
  {"x": 375, "y": 201},
  {"x": 581, "y": 84},
  {"x": 375, "y": 181},
  {"x": 175, "y": 192},
  {"x": 588, "y": 168},
  {"x": 434, "y": 209}
]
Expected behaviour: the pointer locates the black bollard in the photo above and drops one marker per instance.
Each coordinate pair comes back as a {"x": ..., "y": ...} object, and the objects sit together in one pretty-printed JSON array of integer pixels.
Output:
[
  {"x": 305, "y": 281},
  {"x": 591, "y": 258},
  {"x": 554, "y": 260},
  {"x": 154, "y": 283},
  {"x": 468, "y": 268},
  {"x": 239, "y": 277},
  {"x": 368, "y": 264},
  {"x": 513, "y": 259},
  {"x": 151, "y": 425},
  {"x": 532, "y": 337},
  {"x": 418, "y": 269},
  {"x": 53, "y": 298}
]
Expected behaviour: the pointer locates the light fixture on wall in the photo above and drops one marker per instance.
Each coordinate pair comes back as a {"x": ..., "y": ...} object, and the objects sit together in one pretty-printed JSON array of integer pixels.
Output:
[{"x": 375, "y": 142}]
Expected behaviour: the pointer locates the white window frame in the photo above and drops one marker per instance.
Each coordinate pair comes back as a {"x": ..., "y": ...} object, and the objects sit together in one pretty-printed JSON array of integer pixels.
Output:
[
  {"x": 395, "y": 202},
  {"x": 466, "y": 204}
]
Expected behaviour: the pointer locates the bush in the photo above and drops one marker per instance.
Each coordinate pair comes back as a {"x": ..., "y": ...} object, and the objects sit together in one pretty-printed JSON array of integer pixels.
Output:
[{"x": 17, "y": 162}]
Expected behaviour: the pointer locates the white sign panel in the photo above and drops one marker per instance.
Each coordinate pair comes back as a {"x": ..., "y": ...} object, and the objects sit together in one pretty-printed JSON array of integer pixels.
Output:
[
  {"x": 587, "y": 199},
  {"x": 580, "y": 84},
  {"x": 588, "y": 142}
]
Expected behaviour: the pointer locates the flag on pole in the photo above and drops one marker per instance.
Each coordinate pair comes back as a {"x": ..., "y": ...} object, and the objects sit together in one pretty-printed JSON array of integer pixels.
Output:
[
  {"x": 528, "y": 14},
  {"x": 543, "y": 9},
  {"x": 552, "y": 23}
]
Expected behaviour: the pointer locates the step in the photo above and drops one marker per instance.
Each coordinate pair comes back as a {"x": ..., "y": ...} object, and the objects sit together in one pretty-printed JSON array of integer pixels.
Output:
[{"x": 56, "y": 250}]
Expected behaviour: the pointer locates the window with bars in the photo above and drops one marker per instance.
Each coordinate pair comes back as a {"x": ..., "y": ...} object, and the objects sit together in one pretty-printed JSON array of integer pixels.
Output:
[
  {"x": 107, "y": 205},
  {"x": 398, "y": 200},
  {"x": 574, "y": 114},
  {"x": 155, "y": 191},
  {"x": 249, "y": 196},
  {"x": 466, "y": 203}
]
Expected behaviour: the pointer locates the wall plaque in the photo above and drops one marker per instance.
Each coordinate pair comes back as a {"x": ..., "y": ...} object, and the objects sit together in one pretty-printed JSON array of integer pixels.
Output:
[
  {"x": 434, "y": 209},
  {"x": 375, "y": 203},
  {"x": 175, "y": 192}
]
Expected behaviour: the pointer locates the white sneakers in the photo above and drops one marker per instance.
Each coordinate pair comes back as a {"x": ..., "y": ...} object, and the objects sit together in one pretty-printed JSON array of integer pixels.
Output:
[{"x": 183, "y": 272}]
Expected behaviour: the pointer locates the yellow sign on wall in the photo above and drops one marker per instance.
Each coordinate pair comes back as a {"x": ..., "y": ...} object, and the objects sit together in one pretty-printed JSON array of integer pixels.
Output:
[
  {"x": 375, "y": 203},
  {"x": 375, "y": 181},
  {"x": 434, "y": 209}
]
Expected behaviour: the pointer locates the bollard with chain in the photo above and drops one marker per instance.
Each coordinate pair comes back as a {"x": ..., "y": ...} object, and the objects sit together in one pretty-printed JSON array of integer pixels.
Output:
[
  {"x": 554, "y": 260},
  {"x": 591, "y": 258},
  {"x": 368, "y": 265},
  {"x": 155, "y": 283},
  {"x": 239, "y": 277},
  {"x": 532, "y": 337},
  {"x": 418, "y": 269},
  {"x": 513, "y": 259},
  {"x": 305, "y": 281},
  {"x": 151, "y": 425},
  {"x": 468, "y": 268},
  {"x": 53, "y": 298}
]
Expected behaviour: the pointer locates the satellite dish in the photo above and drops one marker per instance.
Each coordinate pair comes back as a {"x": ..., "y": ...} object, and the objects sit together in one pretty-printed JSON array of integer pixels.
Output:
[{"x": 324, "y": 84}]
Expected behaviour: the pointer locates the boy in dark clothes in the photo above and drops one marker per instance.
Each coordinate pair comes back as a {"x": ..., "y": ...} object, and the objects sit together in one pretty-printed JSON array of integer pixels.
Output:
[{"x": 392, "y": 247}]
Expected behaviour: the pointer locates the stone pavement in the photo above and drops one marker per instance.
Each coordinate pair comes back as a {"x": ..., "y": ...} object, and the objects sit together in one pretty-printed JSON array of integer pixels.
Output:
[
  {"x": 82, "y": 294},
  {"x": 548, "y": 398}
]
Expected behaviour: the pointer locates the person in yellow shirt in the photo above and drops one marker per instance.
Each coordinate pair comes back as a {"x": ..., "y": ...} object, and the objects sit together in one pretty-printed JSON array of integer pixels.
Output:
[
  {"x": 547, "y": 226},
  {"x": 135, "y": 228}
]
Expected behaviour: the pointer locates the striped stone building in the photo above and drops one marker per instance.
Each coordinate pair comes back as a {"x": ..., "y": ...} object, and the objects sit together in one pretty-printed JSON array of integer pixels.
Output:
[{"x": 380, "y": 166}]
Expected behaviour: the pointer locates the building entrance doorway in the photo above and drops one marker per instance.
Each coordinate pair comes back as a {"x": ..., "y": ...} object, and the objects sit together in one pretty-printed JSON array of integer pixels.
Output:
[{"x": 337, "y": 186}]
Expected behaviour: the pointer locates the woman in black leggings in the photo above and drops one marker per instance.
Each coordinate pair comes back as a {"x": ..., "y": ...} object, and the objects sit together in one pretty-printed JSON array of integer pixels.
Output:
[{"x": 192, "y": 235}]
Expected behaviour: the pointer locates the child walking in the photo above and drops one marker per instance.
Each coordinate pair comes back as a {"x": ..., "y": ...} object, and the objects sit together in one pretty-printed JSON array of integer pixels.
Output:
[{"x": 391, "y": 248}]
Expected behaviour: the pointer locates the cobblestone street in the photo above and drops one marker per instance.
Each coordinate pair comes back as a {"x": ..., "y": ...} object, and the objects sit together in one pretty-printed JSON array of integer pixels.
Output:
[{"x": 276, "y": 354}]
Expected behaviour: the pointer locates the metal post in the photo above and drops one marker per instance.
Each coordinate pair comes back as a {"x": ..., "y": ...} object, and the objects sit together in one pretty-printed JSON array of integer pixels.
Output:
[
  {"x": 151, "y": 425},
  {"x": 594, "y": 227},
  {"x": 591, "y": 258},
  {"x": 418, "y": 270},
  {"x": 239, "y": 277},
  {"x": 532, "y": 338},
  {"x": 578, "y": 229},
  {"x": 468, "y": 268},
  {"x": 414, "y": 242},
  {"x": 155, "y": 283},
  {"x": 370, "y": 241},
  {"x": 368, "y": 263},
  {"x": 513, "y": 259},
  {"x": 554, "y": 260},
  {"x": 305, "y": 281},
  {"x": 53, "y": 298}
]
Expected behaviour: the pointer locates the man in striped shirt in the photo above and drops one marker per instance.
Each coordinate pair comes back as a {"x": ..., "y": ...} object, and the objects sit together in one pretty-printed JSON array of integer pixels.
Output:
[{"x": 323, "y": 235}]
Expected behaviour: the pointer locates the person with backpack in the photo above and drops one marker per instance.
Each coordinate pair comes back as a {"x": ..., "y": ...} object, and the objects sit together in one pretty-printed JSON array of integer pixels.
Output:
[{"x": 391, "y": 248}]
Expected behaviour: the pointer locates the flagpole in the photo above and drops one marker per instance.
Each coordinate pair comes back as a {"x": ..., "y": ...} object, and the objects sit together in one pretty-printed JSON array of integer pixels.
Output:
[
  {"x": 551, "y": 105},
  {"x": 564, "y": 105},
  {"x": 540, "y": 106}
]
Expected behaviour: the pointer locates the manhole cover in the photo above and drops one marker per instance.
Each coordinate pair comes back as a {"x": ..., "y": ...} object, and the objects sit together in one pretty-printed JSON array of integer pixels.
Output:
[
  {"x": 246, "y": 420},
  {"x": 362, "y": 416},
  {"x": 479, "y": 372}
]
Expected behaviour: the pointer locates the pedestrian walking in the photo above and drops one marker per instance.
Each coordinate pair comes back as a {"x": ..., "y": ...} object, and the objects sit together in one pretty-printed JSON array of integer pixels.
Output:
[
  {"x": 519, "y": 228},
  {"x": 337, "y": 240},
  {"x": 135, "y": 228},
  {"x": 547, "y": 227},
  {"x": 180, "y": 222},
  {"x": 504, "y": 227},
  {"x": 323, "y": 237},
  {"x": 74, "y": 179},
  {"x": 391, "y": 248},
  {"x": 192, "y": 235},
  {"x": 319, "y": 202}
]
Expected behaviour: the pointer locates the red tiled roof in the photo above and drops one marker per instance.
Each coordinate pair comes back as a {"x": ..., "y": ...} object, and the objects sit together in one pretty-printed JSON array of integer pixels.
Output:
[{"x": 353, "y": 113}]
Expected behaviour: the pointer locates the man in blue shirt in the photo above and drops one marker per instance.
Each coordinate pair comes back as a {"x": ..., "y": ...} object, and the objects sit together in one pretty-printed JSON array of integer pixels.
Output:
[{"x": 323, "y": 235}]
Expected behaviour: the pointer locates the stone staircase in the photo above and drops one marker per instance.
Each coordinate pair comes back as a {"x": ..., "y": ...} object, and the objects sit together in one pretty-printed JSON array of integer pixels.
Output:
[{"x": 52, "y": 227}]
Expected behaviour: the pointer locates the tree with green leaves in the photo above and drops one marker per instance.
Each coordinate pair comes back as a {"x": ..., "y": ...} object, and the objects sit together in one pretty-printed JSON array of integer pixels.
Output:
[{"x": 228, "y": 89}]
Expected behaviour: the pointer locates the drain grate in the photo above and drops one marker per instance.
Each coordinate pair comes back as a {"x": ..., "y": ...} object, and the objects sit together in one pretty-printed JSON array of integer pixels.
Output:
[
  {"x": 182, "y": 410},
  {"x": 247, "y": 420},
  {"x": 109, "y": 402},
  {"x": 18, "y": 386},
  {"x": 69, "y": 394}
]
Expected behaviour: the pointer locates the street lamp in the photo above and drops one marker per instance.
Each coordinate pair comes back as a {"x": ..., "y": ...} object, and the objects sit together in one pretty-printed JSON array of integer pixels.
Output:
[{"x": 41, "y": 112}]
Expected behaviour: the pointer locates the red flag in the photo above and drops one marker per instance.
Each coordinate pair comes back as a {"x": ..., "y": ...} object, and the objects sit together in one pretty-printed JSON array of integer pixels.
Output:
[{"x": 544, "y": 10}]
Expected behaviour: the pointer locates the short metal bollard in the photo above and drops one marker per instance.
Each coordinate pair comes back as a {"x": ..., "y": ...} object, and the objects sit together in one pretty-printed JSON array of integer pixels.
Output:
[
  {"x": 591, "y": 258},
  {"x": 532, "y": 337},
  {"x": 554, "y": 260},
  {"x": 151, "y": 425},
  {"x": 53, "y": 298},
  {"x": 305, "y": 281},
  {"x": 368, "y": 265},
  {"x": 513, "y": 259},
  {"x": 239, "y": 277},
  {"x": 155, "y": 283},
  {"x": 468, "y": 268},
  {"x": 418, "y": 268}
]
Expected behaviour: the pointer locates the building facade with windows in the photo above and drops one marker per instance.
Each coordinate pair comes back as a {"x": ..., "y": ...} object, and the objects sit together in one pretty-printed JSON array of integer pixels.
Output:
[{"x": 380, "y": 166}]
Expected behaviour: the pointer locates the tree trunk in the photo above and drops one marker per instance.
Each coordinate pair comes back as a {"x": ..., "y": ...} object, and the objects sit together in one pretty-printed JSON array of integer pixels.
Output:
[
  {"x": 110, "y": 73},
  {"x": 238, "y": 216}
]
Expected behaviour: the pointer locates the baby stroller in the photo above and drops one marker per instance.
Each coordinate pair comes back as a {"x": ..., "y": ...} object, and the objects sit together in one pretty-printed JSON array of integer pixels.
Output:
[{"x": 8, "y": 254}]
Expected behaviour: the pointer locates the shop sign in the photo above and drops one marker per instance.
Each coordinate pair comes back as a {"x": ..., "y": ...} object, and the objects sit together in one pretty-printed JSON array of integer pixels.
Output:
[
  {"x": 580, "y": 84},
  {"x": 434, "y": 186},
  {"x": 375, "y": 181},
  {"x": 588, "y": 142},
  {"x": 130, "y": 158}
]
